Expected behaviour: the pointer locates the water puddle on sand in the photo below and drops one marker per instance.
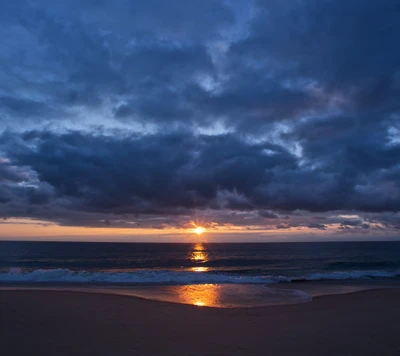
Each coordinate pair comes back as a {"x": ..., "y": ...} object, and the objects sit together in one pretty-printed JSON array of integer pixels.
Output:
[
  {"x": 201, "y": 295},
  {"x": 220, "y": 295}
]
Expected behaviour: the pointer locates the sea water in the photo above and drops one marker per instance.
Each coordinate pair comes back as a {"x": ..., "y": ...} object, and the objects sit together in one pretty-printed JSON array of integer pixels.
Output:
[{"x": 204, "y": 274}]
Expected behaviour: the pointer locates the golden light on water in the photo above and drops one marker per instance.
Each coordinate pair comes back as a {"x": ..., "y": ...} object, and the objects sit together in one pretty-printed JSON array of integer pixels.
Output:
[
  {"x": 200, "y": 269},
  {"x": 220, "y": 295},
  {"x": 199, "y": 255},
  {"x": 200, "y": 295}
]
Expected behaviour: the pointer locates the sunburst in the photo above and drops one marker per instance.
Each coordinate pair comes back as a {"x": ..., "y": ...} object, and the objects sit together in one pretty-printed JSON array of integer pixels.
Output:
[{"x": 199, "y": 230}]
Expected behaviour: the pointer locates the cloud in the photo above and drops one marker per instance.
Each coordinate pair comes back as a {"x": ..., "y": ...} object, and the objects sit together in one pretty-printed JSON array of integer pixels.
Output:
[
  {"x": 110, "y": 112},
  {"x": 153, "y": 174},
  {"x": 268, "y": 214},
  {"x": 317, "y": 226}
]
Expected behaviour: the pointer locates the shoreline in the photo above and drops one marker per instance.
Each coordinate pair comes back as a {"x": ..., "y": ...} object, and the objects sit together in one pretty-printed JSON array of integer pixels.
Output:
[
  {"x": 79, "y": 323},
  {"x": 218, "y": 295},
  {"x": 126, "y": 294},
  {"x": 221, "y": 296}
]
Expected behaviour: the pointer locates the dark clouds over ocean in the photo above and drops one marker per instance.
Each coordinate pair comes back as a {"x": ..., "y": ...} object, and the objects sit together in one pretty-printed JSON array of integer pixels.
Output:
[{"x": 269, "y": 114}]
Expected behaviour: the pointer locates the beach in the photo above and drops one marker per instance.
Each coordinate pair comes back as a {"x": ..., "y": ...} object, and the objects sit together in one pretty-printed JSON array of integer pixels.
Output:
[{"x": 75, "y": 323}]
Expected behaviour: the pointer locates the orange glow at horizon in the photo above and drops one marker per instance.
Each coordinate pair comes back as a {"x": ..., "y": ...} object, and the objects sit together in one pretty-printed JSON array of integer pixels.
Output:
[{"x": 24, "y": 229}]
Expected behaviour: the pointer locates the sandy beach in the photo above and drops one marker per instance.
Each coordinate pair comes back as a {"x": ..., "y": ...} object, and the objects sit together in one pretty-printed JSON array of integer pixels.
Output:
[{"x": 70, "y": 323}]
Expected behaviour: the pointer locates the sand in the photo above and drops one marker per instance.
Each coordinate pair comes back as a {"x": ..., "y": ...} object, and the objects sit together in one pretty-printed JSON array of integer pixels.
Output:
[{"x": 70, "y": 323}]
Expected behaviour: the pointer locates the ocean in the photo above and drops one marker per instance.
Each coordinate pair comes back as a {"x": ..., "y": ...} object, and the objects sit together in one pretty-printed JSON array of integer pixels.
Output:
[{"x": 200, "y": 263}]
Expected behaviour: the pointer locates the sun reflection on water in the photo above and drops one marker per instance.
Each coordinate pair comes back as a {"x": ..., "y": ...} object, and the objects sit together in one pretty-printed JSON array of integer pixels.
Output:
[
  {"x": 200, "y": 269},
  {"x": 200, "y": 295},
  {"x": 217, "y": 295},
  {"x": 220, "y": 295},
  {"x": 199, "y": 255}
]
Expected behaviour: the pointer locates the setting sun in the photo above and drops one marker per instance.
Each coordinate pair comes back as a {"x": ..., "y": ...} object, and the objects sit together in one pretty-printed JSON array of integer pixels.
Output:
[{"x": 199, "y": 230}]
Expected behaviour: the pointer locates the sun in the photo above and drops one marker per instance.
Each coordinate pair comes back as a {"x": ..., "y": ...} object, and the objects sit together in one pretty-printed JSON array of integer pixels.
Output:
[{"x": 199, "y": 230}]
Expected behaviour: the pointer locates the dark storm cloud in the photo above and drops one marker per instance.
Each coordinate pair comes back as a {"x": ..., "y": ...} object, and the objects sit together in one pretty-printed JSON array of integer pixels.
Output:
[
  {"x": 11, "y": 173},
  {"x": 179, "y": 19},
  {"x": 60, "y": 61},
  {"x": 336, "y": 42},
  {"x": 152, "y": 61},
  {"x": 268, "y": 214},
  {"x": 264, "y": 109},
  {"x": 358, "y": 144},
  {"x": 296, "y": 225},
  {"x": 147, "y": 173},
  {"x": 155, "y": 173},
  {"x": 333, "y": 55},
  {"x": 22, "y": 108},
  {"x": 317, "y": 226}
]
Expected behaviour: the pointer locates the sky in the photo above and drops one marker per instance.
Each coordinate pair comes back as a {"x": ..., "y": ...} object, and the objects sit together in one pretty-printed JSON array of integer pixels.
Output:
[{"x": 260, "y": 120}]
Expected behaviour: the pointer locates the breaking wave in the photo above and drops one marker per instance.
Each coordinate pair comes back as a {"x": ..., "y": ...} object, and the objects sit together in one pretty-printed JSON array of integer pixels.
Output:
[
  {"x": 349, "y": 275},
  {"x": 143, "y": 277},
  {"x": 138, "y": 277}
]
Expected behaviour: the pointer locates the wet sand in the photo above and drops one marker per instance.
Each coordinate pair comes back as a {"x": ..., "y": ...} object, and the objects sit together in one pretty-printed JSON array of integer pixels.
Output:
[{"x": 70, "y": 323}]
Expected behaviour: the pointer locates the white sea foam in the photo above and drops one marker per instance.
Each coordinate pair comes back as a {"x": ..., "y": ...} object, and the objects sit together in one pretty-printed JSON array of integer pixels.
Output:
[
  {"x": 174, "y": 278},
  {"x": 345, "y": 275},
  {"x": 138, "y": 277}
]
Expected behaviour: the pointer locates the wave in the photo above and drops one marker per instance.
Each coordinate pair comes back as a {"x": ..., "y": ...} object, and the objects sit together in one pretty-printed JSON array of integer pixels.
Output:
[
  {"x": 349, "y": 275},
  {"x": 145, "y": 277},
  {"x": 139, "y": 277}
]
